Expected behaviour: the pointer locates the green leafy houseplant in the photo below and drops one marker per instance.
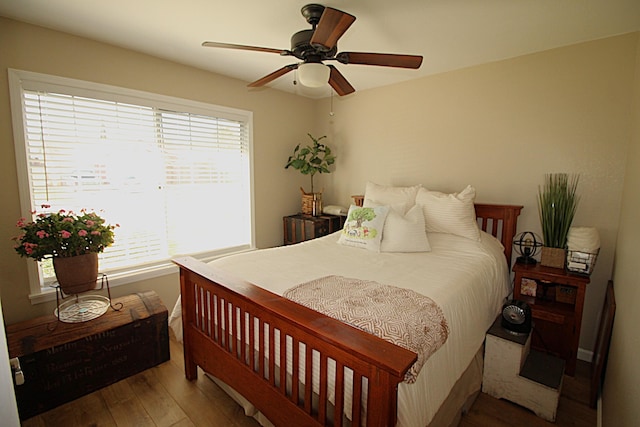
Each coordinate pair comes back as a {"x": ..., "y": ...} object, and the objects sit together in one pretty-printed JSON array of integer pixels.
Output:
[
  {"x": 311, "y": 159},
  {"x": 557, "y": 203},
  {"x": 62, "y": 234}
]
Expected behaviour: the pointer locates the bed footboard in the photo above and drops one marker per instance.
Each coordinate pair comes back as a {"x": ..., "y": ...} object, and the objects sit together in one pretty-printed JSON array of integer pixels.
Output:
[{"x": 245, "y": 335}]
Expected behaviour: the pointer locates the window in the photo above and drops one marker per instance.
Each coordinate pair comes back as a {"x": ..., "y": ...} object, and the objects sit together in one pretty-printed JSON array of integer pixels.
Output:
[{"x": 174, "y": 174}]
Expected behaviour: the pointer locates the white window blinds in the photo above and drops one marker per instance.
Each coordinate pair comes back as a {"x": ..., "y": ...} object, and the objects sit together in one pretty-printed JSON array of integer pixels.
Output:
[{"x": 176, "y": 181}]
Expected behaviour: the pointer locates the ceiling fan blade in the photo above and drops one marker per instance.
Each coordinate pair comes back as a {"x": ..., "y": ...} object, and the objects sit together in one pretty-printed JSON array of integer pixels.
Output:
[
  {"x": 271, "y": 77},
  {"x": 339, "y": 83},
  {"x": 282, "y": 52},
  {"x": 332, "y": 25},
  {"x": 380, "y": 59}
]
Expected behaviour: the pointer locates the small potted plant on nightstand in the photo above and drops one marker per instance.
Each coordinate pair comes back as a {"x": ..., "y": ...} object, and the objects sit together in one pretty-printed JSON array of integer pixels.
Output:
[
  {"x": 557, "y": 203},
  {"x": 309, "y": 160}
]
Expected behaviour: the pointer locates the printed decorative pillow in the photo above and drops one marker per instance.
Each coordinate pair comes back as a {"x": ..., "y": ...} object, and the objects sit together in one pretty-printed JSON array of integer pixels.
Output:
[
  {"x": 363, "y": 227},
  {"x": 392, "y": 196},
  {"x": 450, "y": 213},
  {"x": 405, "y": 233}
]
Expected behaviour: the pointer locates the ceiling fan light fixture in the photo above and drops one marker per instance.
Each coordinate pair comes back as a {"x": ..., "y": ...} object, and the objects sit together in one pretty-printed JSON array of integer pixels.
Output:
[{"x": 313, "y": 74}]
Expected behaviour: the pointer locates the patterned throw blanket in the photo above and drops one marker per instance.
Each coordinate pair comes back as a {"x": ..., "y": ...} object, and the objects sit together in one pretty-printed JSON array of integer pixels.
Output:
[{"x": 400, "y": 316}]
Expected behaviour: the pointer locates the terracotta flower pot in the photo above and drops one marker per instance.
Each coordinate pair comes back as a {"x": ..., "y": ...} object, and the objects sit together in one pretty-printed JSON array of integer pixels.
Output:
[{"x": 76, "y": 274}]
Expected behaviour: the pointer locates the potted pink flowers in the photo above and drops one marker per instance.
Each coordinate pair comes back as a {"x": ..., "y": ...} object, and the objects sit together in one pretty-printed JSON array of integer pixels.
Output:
[{"x": 72, "y": 240}]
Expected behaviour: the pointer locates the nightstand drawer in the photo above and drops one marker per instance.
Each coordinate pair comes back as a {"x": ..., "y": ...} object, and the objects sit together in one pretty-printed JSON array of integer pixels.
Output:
[{"x": 548, "y": 316}]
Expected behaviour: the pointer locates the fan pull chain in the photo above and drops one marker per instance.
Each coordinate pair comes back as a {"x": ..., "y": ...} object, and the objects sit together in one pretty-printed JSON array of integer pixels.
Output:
[{"x": 331, "y": 113}]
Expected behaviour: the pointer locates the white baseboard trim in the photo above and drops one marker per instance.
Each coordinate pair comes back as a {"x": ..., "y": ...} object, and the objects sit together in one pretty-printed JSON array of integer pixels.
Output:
[{"x": 585, "y": 355}]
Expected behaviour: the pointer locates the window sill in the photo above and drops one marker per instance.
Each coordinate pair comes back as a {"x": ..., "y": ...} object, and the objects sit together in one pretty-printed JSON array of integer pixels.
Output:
[
  {"x": 115, "y": 280},
  {"x": 126, "y": 277}
]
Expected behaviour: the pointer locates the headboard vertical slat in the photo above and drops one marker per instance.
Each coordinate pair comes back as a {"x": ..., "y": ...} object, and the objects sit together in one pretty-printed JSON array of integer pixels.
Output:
[{"x": 507, "y": 215}]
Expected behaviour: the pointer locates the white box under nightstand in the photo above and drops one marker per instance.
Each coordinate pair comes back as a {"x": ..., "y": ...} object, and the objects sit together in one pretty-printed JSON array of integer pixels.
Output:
[{"x": 514, "y": 372}]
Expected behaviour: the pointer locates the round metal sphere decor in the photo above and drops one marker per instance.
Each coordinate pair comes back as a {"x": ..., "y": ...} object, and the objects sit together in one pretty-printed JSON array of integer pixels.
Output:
[{"x": 527, "y": 244}]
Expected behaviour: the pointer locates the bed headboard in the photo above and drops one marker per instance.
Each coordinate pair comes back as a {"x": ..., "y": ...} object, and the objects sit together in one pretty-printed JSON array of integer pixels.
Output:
[{"x": 500, "y": 221}]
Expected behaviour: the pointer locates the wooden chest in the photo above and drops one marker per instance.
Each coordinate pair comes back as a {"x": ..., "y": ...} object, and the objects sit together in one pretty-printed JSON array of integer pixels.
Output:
[
  {"x": 63, "y": 361},
  {"x": 300, "y": 227}
]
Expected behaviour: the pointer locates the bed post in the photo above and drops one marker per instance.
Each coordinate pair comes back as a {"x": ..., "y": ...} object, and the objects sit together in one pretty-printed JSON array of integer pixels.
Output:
[{"x": 187, "y": 292}]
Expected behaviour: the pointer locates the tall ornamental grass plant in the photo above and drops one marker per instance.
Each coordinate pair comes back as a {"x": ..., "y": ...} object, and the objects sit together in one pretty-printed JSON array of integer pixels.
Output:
[{"x": 557, "y": 203}]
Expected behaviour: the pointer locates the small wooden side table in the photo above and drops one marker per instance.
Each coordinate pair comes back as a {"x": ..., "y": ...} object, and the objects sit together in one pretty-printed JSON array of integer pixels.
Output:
[
  {"x": 301, "y": 227},
  {"x": 556, "y": 298}
]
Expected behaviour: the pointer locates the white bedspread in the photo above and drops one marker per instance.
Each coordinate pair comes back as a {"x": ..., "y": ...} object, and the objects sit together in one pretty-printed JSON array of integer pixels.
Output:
[{"x": 467, "y": 279}]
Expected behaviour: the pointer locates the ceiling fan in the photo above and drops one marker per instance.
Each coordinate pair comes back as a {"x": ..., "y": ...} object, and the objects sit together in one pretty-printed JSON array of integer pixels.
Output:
[{"x": 318, "y": 44}]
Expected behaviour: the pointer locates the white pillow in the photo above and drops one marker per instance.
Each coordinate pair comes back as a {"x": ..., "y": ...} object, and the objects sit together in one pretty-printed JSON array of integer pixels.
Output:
[
  {"x": 405, "y": 233},
  {"x": 400, "y": 208},
  {"x": 450, "y": 213},
  {"x": 363, "y": 227},
  {"x": 392, "y": 196}
]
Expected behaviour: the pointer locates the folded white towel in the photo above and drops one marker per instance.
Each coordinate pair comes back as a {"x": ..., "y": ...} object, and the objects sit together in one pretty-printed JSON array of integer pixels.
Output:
[
  {"x": 583, "y": 239},
  {"x": 334, "y": 210}
]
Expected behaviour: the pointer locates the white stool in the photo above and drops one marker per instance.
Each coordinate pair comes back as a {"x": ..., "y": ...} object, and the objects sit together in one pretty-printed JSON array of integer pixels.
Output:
[{"x": 514, "y": 372}]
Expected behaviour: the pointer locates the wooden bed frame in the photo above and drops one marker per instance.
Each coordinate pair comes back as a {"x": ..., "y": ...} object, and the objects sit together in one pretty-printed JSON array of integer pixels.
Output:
[{"x": 217, "y": 312}]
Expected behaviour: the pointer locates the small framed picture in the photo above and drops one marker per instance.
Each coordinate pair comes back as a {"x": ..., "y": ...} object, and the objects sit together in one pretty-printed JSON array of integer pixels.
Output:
[{"x": 528, "y": 287}]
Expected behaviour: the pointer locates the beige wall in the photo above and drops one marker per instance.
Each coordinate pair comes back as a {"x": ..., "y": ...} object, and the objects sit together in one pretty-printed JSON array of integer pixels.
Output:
[
  {"x": 501, "y": 127},
  {"x": 621, "y": 390},
  {"x": 280, "y": 121}
]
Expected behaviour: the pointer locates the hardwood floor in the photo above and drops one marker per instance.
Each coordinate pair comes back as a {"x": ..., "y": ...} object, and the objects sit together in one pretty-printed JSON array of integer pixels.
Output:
[{"x": 162, "y": 397}]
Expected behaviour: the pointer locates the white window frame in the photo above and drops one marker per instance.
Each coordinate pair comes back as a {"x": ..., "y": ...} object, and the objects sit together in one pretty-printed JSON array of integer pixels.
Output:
[{"x": 19, "y": 80}]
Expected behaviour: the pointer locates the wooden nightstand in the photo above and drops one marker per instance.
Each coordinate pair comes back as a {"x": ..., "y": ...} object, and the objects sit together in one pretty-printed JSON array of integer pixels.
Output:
[
  {"x": 300, "y": 227},
  {"x": 556, "y": 298}
]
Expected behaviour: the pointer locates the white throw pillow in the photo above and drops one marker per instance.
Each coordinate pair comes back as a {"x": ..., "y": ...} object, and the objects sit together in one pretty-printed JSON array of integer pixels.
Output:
[
  {"x": 392, "y": 196},
  {"x": 405, "y": 233},
  {"x": 363, "y": 227},
  {"x": 450, "y": 213}
]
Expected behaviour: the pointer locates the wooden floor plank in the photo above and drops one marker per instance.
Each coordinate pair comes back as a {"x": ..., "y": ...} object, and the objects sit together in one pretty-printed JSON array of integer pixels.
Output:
[
  {"x": 155, "y": 399},
  {"x": 36, "y": 421},
  {"x": 186, "y": 422},
  {"x": 89, "y": 410},
  {"x": 125, "y": 406},
  {"x": 201, "y": 407}
]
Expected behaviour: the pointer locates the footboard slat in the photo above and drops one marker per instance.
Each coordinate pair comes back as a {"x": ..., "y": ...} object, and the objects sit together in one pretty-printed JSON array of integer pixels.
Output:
[
  {"x": 261, "y": 357},
  {"x": 356, "y": 409},
  {"x": 283, "y": 362},
  {"x": 228, "y": 325},
  {"x": 322, "y": 401},
  {"x": 217, "y": 304},
  {"x": 308, "y": 372},
  {"x": 242, "y": 344},
  {"x": 261, "y": 347},
  {"x": 272, "y": 354},
  {"x": 295, "y": 371},
  {"x": 339, "y": 390}
]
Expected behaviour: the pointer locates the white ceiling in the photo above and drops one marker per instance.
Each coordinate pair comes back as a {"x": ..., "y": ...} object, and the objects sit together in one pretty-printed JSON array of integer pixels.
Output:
[{"x": 450, "y": 34}]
